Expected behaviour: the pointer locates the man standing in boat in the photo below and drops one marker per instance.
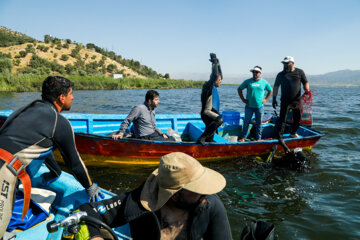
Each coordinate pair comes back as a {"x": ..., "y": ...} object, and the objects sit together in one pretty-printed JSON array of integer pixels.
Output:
[
  {"x": 29, "y": 136},
  {"x": 177, "y": 201},
  {"x": 143, "y": 118},
  {"x": 210, "y": 102},
  {"x": 290, "y": 80},
  {"x": 255, "y": 90}
]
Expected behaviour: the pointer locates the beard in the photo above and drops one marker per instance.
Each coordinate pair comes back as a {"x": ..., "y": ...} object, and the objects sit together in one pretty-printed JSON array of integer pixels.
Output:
[{"x": 287, "y": 68}]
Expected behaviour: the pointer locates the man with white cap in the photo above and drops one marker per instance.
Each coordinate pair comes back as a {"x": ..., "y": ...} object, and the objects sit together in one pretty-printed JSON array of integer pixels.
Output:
[
  {"x": 290, "y": 80},
  {"x": 177, "y": 201},
  {"x": 254, "y": 101}
]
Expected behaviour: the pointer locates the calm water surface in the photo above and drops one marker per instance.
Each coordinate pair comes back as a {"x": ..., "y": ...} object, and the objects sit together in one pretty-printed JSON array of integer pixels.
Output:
[{"x": 322, "y": 202}]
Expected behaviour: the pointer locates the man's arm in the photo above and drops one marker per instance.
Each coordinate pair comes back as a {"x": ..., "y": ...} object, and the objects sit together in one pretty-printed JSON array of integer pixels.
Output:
[
  {"x": 304, "y": 82},
  {"x": 65, "y": 141},
  {"x": 219, "y": 226},
  {"x": 111, "y": 214},
  {"x": 242, "y": 96},
  {"x": 208, "y": 109},
  {"x": 126, "y": 123},
  {"x": 267, "y": 96}
]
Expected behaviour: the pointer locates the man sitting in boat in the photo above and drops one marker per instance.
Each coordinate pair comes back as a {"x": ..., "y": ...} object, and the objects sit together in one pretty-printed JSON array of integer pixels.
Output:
[
  {"x": 29, "y": 136},
  {"x": 177, "y": 201},
  {"x": 210, "y": 102},
  {"x": 143, "y": 118}
]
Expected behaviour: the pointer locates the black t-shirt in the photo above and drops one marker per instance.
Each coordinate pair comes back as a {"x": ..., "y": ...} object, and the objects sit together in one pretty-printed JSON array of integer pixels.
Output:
[{"x": 291, "y": 85}]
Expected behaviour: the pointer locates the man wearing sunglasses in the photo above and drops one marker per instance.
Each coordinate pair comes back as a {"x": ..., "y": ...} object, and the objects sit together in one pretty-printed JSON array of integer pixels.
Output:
[
  {"x": 290, "y": 80},
  {"x": 254, "y": 100}
]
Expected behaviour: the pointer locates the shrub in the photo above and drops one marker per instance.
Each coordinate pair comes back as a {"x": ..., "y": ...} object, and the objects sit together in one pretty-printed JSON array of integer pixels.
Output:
[
  {"x": 64, "y": 57},
  {"x": 58, "y": 46},
  {"x": 55, "y": 55},
  {"x": 111, "y": 68},
  {"x": 22, "y": 54},
  {"x": 93, "y": 57},
  {"x": 16, "y": 62},
  {"x": 5, "y": 64}
]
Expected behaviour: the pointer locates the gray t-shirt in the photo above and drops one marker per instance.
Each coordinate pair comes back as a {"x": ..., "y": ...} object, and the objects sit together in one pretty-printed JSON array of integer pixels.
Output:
[{"x": 143, "y": 119}]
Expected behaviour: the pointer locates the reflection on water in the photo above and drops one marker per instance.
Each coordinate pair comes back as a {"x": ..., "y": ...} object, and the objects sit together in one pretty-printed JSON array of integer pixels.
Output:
[{"x": 321, "y": 202}]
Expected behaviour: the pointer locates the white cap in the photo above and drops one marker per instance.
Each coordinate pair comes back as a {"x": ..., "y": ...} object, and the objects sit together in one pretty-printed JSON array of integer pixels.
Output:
[
  {"x": 288, "y": 59},
  {"x": 256, "y": 68}
]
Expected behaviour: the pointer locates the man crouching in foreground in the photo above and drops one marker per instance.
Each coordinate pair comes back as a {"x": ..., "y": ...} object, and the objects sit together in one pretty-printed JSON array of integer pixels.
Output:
[{"x": 177, "y": 201}]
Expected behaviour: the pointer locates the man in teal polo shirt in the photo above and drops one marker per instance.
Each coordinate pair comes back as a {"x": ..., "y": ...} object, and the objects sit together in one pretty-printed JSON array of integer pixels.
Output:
[{"x": 254, "y": 101}]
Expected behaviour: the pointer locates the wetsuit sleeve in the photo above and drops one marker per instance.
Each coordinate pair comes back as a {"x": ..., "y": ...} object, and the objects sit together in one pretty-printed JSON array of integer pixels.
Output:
[
  {"x": 65, "y": 141},
  {"x": 109, "y": 211},
  {"x": 208, "y": 108},
  {"x": 128, "y": 120},
  {"x": 52, "y": 165},
  {"x": 219, "y": 226}
]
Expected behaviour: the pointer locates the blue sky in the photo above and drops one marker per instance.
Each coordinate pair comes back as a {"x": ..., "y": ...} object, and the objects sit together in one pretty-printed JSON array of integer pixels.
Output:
[{"x": 176, "y": 37}]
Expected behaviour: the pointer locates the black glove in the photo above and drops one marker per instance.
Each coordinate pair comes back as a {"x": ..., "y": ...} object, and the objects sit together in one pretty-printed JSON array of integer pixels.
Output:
[
  {"x": 213, "y": 58},
  {"x": 274, "y": 103}
]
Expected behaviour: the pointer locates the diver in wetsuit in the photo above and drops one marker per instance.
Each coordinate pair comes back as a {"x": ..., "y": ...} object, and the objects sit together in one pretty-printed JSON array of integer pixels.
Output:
[
  {"x": 29, "y": 136},
  {"x": 210, "y": 102}
]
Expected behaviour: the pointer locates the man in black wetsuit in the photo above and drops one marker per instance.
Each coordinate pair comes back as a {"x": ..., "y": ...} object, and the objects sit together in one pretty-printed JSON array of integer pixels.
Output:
[
  {"x": 290, "y": 80},
  {"x": 177, "y": 201},
  {"x": 29, "y": 136},
  {"x": 210, "y": 102}
]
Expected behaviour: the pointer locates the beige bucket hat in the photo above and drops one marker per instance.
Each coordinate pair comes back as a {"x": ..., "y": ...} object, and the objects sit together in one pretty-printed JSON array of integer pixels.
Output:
[{"x": 178, "y": 171}]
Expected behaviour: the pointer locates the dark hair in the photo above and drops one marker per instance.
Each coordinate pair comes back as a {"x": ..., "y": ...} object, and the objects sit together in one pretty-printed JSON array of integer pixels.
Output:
[
  {"x": 54, "y": 86},
  {"x": 151, "y": 94}
]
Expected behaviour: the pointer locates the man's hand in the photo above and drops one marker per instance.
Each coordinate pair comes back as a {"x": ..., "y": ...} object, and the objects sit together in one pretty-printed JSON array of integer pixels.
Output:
[
  {"x": 245, "y": 101},
  {"x": 117, "y": 136},
  {"x": 264, "y": 100},
  {"x": 274, "y": 103},
  {"x": 307, "y": 91},
  {"x": 94, "y": 193},
  {"x": 165, "y": 136}
]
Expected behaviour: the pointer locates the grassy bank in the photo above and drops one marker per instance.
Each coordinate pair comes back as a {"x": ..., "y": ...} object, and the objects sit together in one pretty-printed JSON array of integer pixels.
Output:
[{"x": 29, "y": 82}]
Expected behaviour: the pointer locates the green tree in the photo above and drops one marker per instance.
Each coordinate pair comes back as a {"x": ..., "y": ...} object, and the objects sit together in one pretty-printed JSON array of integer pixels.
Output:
[
  {"x": 5, "y": 65},
  {"x": 48, "y": 38},
  {"x": 111, "y": 68},
  {"x": 64, "y": 57},
  {"x": 90, "y": 46},
  {"x": 167, "y": 76},
  {"x": 16, "y": 62},
  {"x": 22, "y": 54}
]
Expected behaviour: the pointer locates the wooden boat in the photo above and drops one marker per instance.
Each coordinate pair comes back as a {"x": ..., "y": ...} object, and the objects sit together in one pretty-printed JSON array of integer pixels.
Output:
[
  {"x": 69, "y": 196},
  {"x": 94, "y": 142}
]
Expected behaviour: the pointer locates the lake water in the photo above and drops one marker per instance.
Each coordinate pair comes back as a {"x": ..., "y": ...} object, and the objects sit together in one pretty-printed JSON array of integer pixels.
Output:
[{"x": 322, "y": 202}]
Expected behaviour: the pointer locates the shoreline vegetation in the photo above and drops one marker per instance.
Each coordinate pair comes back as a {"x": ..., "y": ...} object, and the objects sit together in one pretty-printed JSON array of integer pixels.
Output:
[{"x": 30, "y": 83}]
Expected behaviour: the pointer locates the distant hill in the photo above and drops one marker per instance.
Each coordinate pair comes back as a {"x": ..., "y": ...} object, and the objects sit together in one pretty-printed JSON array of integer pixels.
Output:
[
  {"x": 342, "y": 78},
  {"x": 20, "y": 53},
  {"x": 338, "y": 78}
]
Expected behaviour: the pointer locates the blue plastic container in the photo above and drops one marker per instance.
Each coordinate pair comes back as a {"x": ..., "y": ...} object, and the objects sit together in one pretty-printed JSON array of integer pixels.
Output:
[{"x": 231, "y": 117}]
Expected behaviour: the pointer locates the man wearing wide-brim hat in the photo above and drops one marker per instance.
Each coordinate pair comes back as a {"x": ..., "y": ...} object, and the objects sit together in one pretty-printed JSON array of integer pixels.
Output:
[{"x": 177, "y": 201}]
